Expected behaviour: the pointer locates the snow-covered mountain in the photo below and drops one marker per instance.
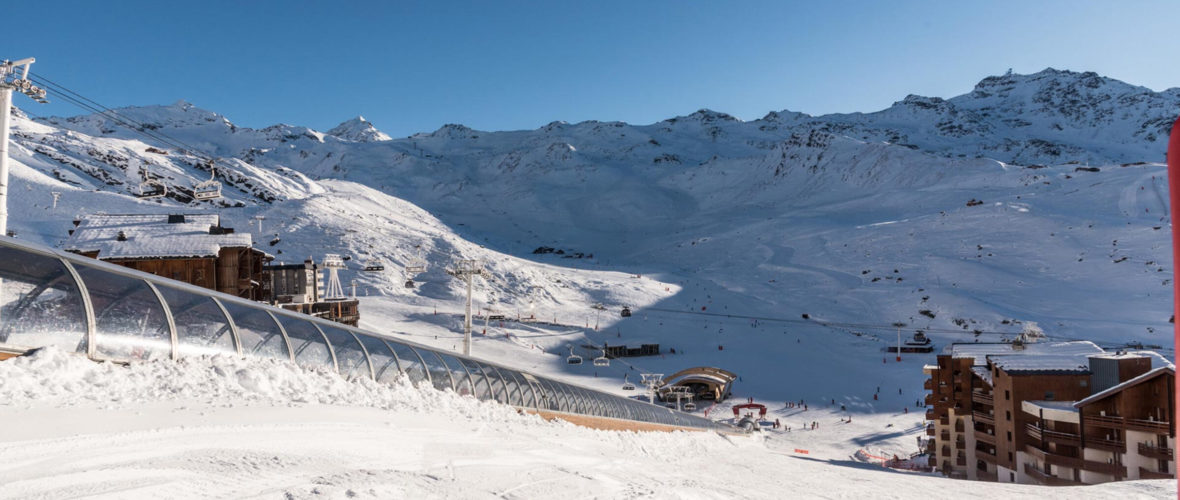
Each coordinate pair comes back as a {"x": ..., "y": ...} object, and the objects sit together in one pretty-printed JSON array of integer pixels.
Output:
[{"x": 1032, "y": 198}]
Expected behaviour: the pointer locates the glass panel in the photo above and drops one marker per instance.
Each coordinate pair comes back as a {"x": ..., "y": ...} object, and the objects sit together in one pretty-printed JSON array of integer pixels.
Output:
[
  {"x": 384, "y": 364},
  {"x": 201, "y": 327},
  {"x": 478, "y": 379},
  {"x": 257, "y": 331},
  {"x": 548, "y": 398},
  {"x": 496, "y": 382},
  {"x": 512, "y": 386},
  {"x": 350, "y": 359},
  {"x": 565, "y": 401},
  {"x": 438, "y": 371},
  {"x": 40, "y": 304},
  {"x": 307, "y": 342},
  {"x": 458, "y": 375},
  {"x": 129, "y": 319},
  {"x": 526, "y": 390},
  {"x": 410, "y": 363}
]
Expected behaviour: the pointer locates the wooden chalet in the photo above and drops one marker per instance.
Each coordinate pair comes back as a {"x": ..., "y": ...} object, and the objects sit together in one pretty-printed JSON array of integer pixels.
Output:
[{"x": 194, "y": 249}]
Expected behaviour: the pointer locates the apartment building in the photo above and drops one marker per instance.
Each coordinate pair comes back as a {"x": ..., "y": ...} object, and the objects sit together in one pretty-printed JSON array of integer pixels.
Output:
[{"x": 1049, "y": 413}]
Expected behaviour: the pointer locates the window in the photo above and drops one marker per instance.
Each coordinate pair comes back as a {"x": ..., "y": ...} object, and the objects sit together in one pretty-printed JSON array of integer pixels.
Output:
[
  {"x": 1011, "y": 476},
  {"x": 1009, "y": 439},
  {"x": 1007, "y": 395},
  {"x": 1008, "y": 415},
  {"x": 1084, "y": 383},
  {"x": 1009, "y": 453},
  {"x": 1048, "y": 395}
]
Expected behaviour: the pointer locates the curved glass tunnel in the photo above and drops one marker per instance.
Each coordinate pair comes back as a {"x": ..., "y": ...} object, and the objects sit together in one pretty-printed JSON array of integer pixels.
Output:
[{"x": 112, "y": 313}]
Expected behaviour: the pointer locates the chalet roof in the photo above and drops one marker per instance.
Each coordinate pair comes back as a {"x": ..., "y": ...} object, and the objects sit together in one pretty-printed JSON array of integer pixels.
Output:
[
  {"x": 1061, "y": 411},
  {"x": 983, "y": 373},
  {"x": 1156, "y": 372},
  {"x": 981, "y": 351},
  {"x": 152, "y": 236},
  {"x": 1043, "y": 363}
]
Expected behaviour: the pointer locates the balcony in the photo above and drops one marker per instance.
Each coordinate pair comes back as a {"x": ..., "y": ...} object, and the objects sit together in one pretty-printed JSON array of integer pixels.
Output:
[
  {"x": 1156, "y": 452},
  {"x": 982, "y": 398},
  {"x": 1116, "y": 470},
  {"x": 931, "y": 399},
  {"x": 928, "y": 385},
  {"x": 930, "y": 415},
  {"x": 932, "y": 461},
  {"x": 984, "y": 437},
  {"x": 1053, "y": 436},
  {"x": 959, "y": 425},
  {"x": 1155, "y": 426},
  {"x": 930, "y": 430},
  {"x": 1063, "y": 461},
  {"x": 1104, "y": 421},
  {"x": 985, "y": 456},
  {"x": 1046, "y": 479},
  {"x": 960, "y": 444},
  {"x": 1151, "y": 474},
  {"x": 1107, "y": 444},
  {"x": 983, "y": 417},
  {"x": 983, "y": 475},
  {"x": 946, "y": 451},
  {"x": 961, "y": 461}
]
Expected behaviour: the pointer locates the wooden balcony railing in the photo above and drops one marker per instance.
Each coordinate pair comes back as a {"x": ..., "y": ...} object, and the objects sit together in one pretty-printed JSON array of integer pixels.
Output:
[
  {"x": 1156, "y": 452},
  {"x": 1152, "y": 474},
  {"x": 1033, "y": 431},
  {"x": 1155, "y": 426},
  {"x": 982, "y": 398},
  {"x": 930, "y": 415},
  {"x": 986, "y": 457},
  {"x": 984, "y": 437},
  {"x": 983, "y": 417},
  {"x": 1106, "y": 444},
  {"x": 1108, "y": 422},
  {"x": 1063, "y": 461},
  {"x": 960, "y": 444},
  {"x": 1116, "y": 470},
  {"x": 983, "y": 475},
  {"x": 1046, "y": 479},
  {"x": 928, "y": 385},
  {"x": 945, "y": 435},
  {"x": 930, "y": 430}
]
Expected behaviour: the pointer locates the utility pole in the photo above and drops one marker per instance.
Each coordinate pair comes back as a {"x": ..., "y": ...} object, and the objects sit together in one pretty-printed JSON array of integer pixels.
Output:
[
  {"x": 7, "y": 85},
  {"x": 468, "y": 270}
]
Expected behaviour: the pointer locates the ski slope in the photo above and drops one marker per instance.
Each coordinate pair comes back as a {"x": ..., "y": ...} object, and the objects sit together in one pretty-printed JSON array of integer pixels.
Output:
[{"x": 223, "y": 427}]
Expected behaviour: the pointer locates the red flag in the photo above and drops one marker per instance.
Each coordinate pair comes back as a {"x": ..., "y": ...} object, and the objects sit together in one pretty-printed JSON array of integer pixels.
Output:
[{"x": 1174, "y": 199}]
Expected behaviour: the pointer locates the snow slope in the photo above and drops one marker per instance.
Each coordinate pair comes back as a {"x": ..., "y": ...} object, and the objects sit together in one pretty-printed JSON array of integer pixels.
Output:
[{"x": 232, "y": 428}]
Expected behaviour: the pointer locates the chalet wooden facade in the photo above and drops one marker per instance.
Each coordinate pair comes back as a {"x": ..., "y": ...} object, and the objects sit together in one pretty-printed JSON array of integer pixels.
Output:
[{"x": 194, "y": 249}]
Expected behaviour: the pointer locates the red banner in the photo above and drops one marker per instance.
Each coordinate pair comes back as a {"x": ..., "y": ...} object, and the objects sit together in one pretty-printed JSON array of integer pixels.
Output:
[{"x": 1174, "y": 199}]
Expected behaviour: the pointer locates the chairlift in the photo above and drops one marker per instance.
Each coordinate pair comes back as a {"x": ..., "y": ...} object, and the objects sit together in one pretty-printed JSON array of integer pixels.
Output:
[
  {"x": 375, "y": 265},
  {"x": 210, "y": 189},
  {"x": 627, "y": 385},
  {"x": 409, "y": 283},
  {"x": 151, "y": 189},
  {"x": 626, "y": 312},
  {"x": 573, "y": 359},
  {"x": 690, "y": 406},
  {"x": 602, "y": 360}
]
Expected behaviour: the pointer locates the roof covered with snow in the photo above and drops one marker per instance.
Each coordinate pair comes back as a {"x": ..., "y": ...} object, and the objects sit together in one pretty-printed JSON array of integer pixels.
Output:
[
  {"x": 983, "y": 373},
  {"x": 1076, "y": 363},
  {"x": 1061, "y": 411},
  {"x": 981, "y": 351},
  {"x": 152, "y": 236}
]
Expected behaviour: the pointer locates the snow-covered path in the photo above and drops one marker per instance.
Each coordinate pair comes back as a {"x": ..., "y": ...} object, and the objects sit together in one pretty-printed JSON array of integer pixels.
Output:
[{"x": 232, "y": 428}]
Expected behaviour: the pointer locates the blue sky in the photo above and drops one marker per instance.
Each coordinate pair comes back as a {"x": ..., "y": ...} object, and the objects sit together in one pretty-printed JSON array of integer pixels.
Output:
[{"x": 414, "y": 66}]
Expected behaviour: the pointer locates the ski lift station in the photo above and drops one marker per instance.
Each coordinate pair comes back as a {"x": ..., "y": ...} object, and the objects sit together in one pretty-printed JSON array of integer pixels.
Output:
[
  {"x": 108, "y": 312},
  {"x": 704, "y": 382}
]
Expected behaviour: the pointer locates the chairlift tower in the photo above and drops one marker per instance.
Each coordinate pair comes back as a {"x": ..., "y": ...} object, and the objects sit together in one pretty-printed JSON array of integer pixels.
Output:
[
  {"x": 468, "y": 270},
  {"x": 259, "y": 218},
  {"x": 9, "y": 81},
  {"x": 333, "y": 263},
  {"x": 56, "y": 196},
  {"x": 652, "y": 381},
  {"x": 681, "y": 392}
]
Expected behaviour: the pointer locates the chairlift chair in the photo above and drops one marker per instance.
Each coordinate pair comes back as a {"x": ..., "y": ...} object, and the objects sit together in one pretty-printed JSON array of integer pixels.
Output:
[
  {"x": 690, "y": 406},
  {"x": 152, "y": 189},
  {"x": 573, "y": 359},
  {"x": 626, "y": 312},
  {"x": 409, "y": 283},
  {"x": 602, "y": 360},
  {"x": 627, "y": 385},
  {"x": 210, "y": 189},
  {"x": 374, "y": 265}
]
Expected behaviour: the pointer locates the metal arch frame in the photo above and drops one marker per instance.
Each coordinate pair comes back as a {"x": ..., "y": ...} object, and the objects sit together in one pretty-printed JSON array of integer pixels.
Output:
[
  {"x": 470, "y": 382},
  {"x": 495, "y": 389},
  {"x": 539, "y": 386},
  {"x": 426, "y": 375},
  {"x": 389, "y": 351},
  {"x": 397, "y": 362},
  {"x": 87, "y": 307},
  {"x": 365, "y": 352},
  {"x": 487, "y": 385},
  {"x": 167, "y": 316},
  {"x": 518, "y": 391},
  {"x": 327, "y": 345},
  {"x": 233, "y": 326},
  {"x": 331, "y": 348},
  {"x": 283, "y": 332},
  {"x": 446, "y": 369}
]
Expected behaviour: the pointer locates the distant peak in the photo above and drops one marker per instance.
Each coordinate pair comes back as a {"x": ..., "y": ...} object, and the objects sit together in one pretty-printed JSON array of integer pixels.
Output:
[{"x": 358, "y": 130}]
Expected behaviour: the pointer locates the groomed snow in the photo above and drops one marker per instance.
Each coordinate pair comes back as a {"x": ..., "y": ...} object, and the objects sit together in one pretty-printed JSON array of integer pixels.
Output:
[{"x": 233, "y": 428}]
